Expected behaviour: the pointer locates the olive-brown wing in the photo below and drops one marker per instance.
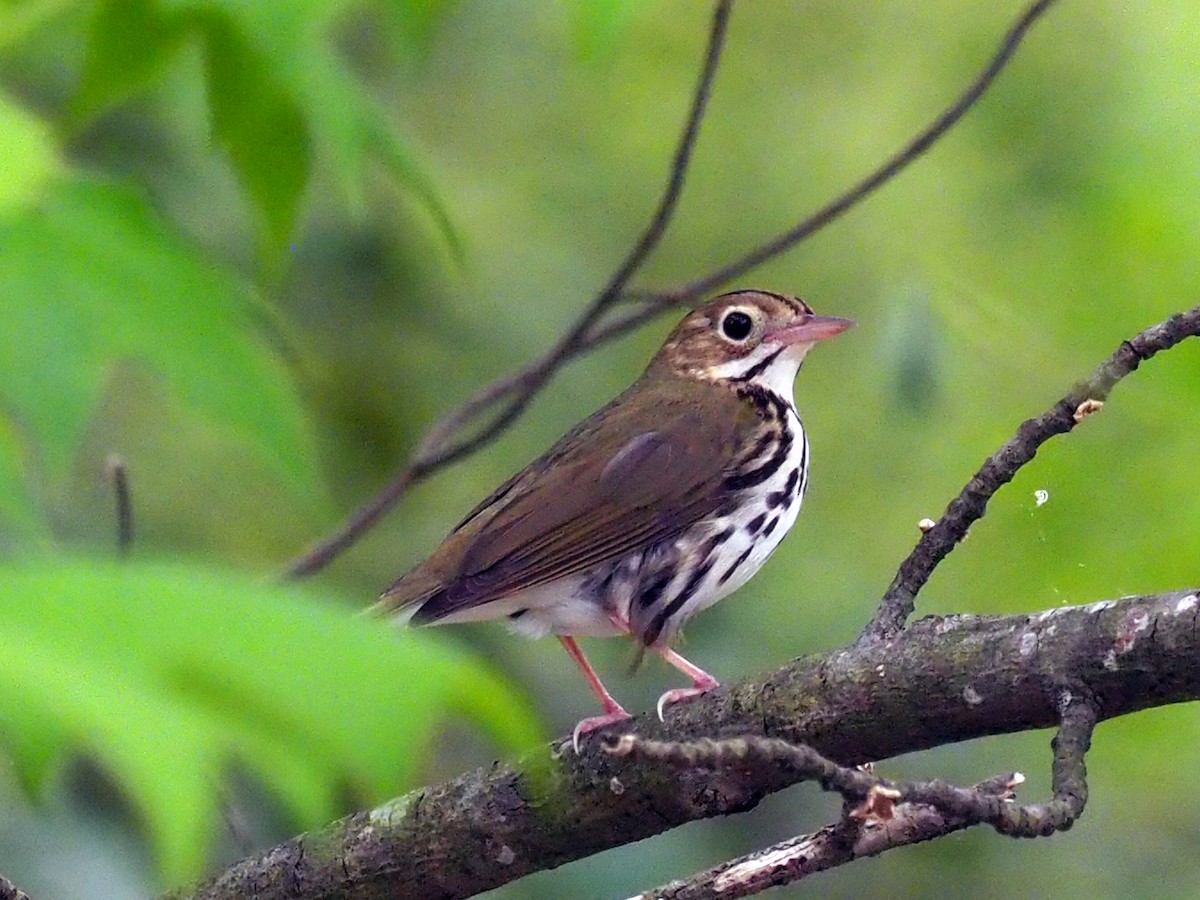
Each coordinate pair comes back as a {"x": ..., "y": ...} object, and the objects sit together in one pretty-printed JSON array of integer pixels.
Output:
[{"x": 624, "y": 487}]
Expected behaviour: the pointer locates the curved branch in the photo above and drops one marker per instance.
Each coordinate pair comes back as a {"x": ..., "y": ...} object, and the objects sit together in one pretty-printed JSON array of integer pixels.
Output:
[
  {"x": 925, "y": 139},
  {"x": 999, "y": 468},
  {"x": 879, "y": 815},
  {"x": 939, "y": 681},
  {"x": 513, "y": 393},
  {"x": 438, "y": 448},
  {"x": 830, "y": 847}
]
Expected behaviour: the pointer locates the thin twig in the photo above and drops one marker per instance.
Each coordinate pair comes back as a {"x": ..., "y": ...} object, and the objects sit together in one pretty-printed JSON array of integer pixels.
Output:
[
  {"x": 971, "y": 503},
  {"x": 885, "y": 173},
  {"x": 881, "y": 815},
  {"x": 436, "y": 450},
  {"x": 439, "y": 449},
  {"x": 824, "y": 849},
  {"x": 118, "y": 473}
]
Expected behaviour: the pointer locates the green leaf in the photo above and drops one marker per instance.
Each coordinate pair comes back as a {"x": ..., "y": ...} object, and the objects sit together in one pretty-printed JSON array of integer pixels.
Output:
[
  {"x": 19, "y": 20},
  {"x": 354, "y": 131},
  {"x": 129, "y": 43},
  {"x": 20, "y": 518},
  {"x": 92, "y": 278},
  {"x": 28, "y": 157},
  {"x": 599, "y": 25},
  {"x": 291, "y": 47},
  {"x": 167, "y": 673},
  {"x": 259, "y": 123},
  {"x": 278, "y": 92}
]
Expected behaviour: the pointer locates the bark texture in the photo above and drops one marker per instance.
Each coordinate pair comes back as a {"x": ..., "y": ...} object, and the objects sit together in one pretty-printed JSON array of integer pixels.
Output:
[{"x": 941, "y": 680}]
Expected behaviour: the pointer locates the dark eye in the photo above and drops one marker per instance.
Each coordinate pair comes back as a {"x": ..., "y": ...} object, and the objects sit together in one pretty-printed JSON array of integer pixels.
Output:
[{"x": 737, "y": 326}]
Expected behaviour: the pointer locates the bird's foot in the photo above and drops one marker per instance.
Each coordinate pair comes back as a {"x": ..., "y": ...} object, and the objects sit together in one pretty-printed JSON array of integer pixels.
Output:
[
  {"x": 702, "y": 682},
  {"x": 611, "y": 715},
  {"x": 701, "y": 686}
]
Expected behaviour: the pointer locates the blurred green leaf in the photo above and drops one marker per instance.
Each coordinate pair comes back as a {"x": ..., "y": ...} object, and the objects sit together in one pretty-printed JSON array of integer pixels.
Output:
[
  {"x": 348, "y": 127},
  {"x": 261, "y": 126},
  {"x": 277, "y": 90},
  {"x": 355, "y": 131},
  {"x": 599, "y": 25},
  {"x": 28, "y": 156},
  {"x": 168, "y": 673},
  {"x": 129, "y": 43},
  {"x": 92, "y": 277},
  {"x": 20, "y": 518},
  {"x": 18, "y": 20},
  {"x": 417, "y": 20}
]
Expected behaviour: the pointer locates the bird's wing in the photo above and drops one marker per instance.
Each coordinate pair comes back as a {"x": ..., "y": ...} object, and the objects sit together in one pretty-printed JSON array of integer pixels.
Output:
[{"x": 596, "y": 495}]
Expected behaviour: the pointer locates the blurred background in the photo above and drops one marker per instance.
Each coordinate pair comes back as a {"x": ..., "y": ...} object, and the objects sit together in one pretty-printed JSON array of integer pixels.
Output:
[{"x": 257, "y": 249}]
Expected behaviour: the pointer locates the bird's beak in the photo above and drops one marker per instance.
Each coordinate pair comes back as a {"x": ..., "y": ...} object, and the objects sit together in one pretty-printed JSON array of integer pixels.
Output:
[{"x": 809, "y": 331}]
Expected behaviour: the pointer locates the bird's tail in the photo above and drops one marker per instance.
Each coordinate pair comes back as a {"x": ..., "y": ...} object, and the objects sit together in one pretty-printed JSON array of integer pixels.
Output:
[{"x": 404, "y": 598}]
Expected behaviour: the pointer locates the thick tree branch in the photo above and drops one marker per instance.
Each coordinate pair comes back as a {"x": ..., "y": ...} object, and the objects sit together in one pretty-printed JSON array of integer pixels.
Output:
[
  {"x": 939, "y": 681},
  {"x": 894, "y": 691},
  {"x": 999, "y": 468},
  {"x": 505, "y": 398}
]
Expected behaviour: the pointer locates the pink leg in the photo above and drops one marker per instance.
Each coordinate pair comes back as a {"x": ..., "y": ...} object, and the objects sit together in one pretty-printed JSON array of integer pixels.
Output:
[
  {"x": 612, "y": 709},
  {"x": 702, "y": 682}
]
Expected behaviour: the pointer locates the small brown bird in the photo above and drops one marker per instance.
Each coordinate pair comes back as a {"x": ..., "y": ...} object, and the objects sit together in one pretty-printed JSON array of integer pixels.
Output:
[{"x": 657, "y": 505}]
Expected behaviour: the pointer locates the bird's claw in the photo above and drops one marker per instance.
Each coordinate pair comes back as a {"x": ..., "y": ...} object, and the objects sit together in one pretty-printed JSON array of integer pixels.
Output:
[
  {"x": 677, "y": 694},
  {"x": 591, "y": 724}
]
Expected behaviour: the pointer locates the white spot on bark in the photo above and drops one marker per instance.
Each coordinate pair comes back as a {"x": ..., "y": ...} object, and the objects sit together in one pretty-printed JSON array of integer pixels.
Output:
[
  {"x": 506, "y": 856},
  {"x": 1087, "y": 408},
  {"x": 945, "y": 624},
  {"x": 1110, "y": 661},
  {"x": 1028, "y": 644},
  {"x": 391, "y": 813},
  {"x": 739, "y": 874},
  {"x": 971, "y": 696},
  {"x": 1186, "y": 604},
  {"x": 616, "y": 787}
]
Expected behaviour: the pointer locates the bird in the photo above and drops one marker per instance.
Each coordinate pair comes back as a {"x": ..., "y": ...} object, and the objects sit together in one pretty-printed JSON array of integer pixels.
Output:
[{"x": 664, "y": 501}]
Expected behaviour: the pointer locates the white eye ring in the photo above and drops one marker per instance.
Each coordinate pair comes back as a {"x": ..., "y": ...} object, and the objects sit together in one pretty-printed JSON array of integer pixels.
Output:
[{"x": 737, "y": 325}]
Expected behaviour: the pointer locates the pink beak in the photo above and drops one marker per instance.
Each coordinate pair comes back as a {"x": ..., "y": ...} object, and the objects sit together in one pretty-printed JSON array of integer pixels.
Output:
[{"x": 811, "y": 330}]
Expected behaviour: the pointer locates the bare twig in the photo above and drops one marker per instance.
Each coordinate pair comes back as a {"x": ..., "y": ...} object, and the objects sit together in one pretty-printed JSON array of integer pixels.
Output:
[
  {"x": 885, "y": 173},
  {"x": 118, "y": 473},
  {"x": 437, "y": 449},
  {"x": 515, "y": 391},
  {"x": 829, "y": 847},
  {"x": 881, "y": 814},
  {"x": 936, "y": 543}
]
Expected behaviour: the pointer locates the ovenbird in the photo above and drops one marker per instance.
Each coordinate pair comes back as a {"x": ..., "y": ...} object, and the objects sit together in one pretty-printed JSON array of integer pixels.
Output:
[{"x": 659, "y": 504}]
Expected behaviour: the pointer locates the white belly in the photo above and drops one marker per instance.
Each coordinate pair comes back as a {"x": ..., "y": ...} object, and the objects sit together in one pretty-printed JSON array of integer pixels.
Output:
[{"x": 754, "y": 529}]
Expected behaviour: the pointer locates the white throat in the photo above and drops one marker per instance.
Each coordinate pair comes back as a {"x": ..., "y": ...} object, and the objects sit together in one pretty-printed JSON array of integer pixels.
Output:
[{"x": 778, "y": 376}]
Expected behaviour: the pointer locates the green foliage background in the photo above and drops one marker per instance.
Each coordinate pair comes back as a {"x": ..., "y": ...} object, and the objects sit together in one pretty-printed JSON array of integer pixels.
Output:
[{"x": 256, "y": 248}]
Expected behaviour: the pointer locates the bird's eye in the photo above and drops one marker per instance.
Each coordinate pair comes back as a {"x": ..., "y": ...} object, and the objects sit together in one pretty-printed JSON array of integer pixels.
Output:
[{"x": 737, "y": 326}]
